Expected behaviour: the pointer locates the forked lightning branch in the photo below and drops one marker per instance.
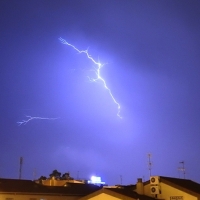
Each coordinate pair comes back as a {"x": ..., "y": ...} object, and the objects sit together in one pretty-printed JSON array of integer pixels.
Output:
[
  {"x": 98, "y": 78},
  {"x": 30, "y": 118},
  {"x": 97, "y": 72}
]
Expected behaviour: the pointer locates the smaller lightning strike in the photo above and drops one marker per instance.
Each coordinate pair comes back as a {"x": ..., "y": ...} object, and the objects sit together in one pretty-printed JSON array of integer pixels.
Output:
[
  {"x": 30, "y": 118},
  {"x": 97, "y": 72}
]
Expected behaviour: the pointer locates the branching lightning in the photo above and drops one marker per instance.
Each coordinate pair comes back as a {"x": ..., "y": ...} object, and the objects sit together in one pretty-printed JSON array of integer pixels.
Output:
[
  {"x": 97, "y": 72},
  {"x": 30, "y": 118}
]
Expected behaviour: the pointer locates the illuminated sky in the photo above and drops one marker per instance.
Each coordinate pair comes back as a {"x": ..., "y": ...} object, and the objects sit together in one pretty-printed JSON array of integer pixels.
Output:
[{"x": 152, "y": 53}]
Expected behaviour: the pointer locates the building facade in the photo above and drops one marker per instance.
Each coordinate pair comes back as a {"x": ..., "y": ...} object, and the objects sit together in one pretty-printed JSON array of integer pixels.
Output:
[
  {"x": 168, "y": 188},
  {"x": 13, "y": 189},
  {"x": 158, "y": 187}
]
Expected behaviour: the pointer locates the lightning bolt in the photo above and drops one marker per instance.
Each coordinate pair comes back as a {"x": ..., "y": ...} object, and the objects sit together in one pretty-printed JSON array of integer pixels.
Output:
[
  {"x": 97, "y": 72},
  {"x": 30, "y": 118}
]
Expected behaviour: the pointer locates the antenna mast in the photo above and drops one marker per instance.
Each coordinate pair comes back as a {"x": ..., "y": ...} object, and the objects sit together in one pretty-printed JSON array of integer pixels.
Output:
[
  {"x": 182, "y": 168},
  {"x": 77, "y": 175},
  {"x": 34, "y": 174},
  {"x": 121, "y": 179},
  {"x": 20, "y": 167},
  {"x": 149, "y": 164}
]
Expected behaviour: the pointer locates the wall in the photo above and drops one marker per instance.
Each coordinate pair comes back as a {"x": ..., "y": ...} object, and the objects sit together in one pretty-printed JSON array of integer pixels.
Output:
[
  {"x": 168, "y": 193},
  {"x": 103, "y": 196}
]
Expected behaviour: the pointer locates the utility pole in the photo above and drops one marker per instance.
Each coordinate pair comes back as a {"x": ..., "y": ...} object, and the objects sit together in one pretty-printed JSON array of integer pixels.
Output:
[{"x": 20, "y": 167}]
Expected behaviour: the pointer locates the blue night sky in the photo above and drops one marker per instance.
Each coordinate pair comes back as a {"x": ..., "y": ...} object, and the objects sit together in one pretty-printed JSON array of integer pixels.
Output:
[{"x": 151, "y": 50}]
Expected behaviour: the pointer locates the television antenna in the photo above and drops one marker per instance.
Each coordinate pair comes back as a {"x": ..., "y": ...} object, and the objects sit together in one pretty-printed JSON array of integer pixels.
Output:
[
  {"x": 149, "y": 163},
  {"x": 20, "y": 167},
  {"x": 182, "y": 168}
]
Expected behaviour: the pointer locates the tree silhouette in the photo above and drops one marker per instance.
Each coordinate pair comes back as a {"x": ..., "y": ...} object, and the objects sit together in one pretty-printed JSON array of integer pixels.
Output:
[
  {"x": 42, "y": 178},
  {"x": 66, "y": 176},
  {"x": 55, "y": 174}
]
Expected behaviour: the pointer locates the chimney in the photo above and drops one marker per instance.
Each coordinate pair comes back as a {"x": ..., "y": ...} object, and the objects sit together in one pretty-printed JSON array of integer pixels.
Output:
[{"x": 139, "y": 186}]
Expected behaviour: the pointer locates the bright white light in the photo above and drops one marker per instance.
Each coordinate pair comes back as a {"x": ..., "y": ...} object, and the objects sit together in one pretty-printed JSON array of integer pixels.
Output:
[{"x": 96, "y": 180}]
